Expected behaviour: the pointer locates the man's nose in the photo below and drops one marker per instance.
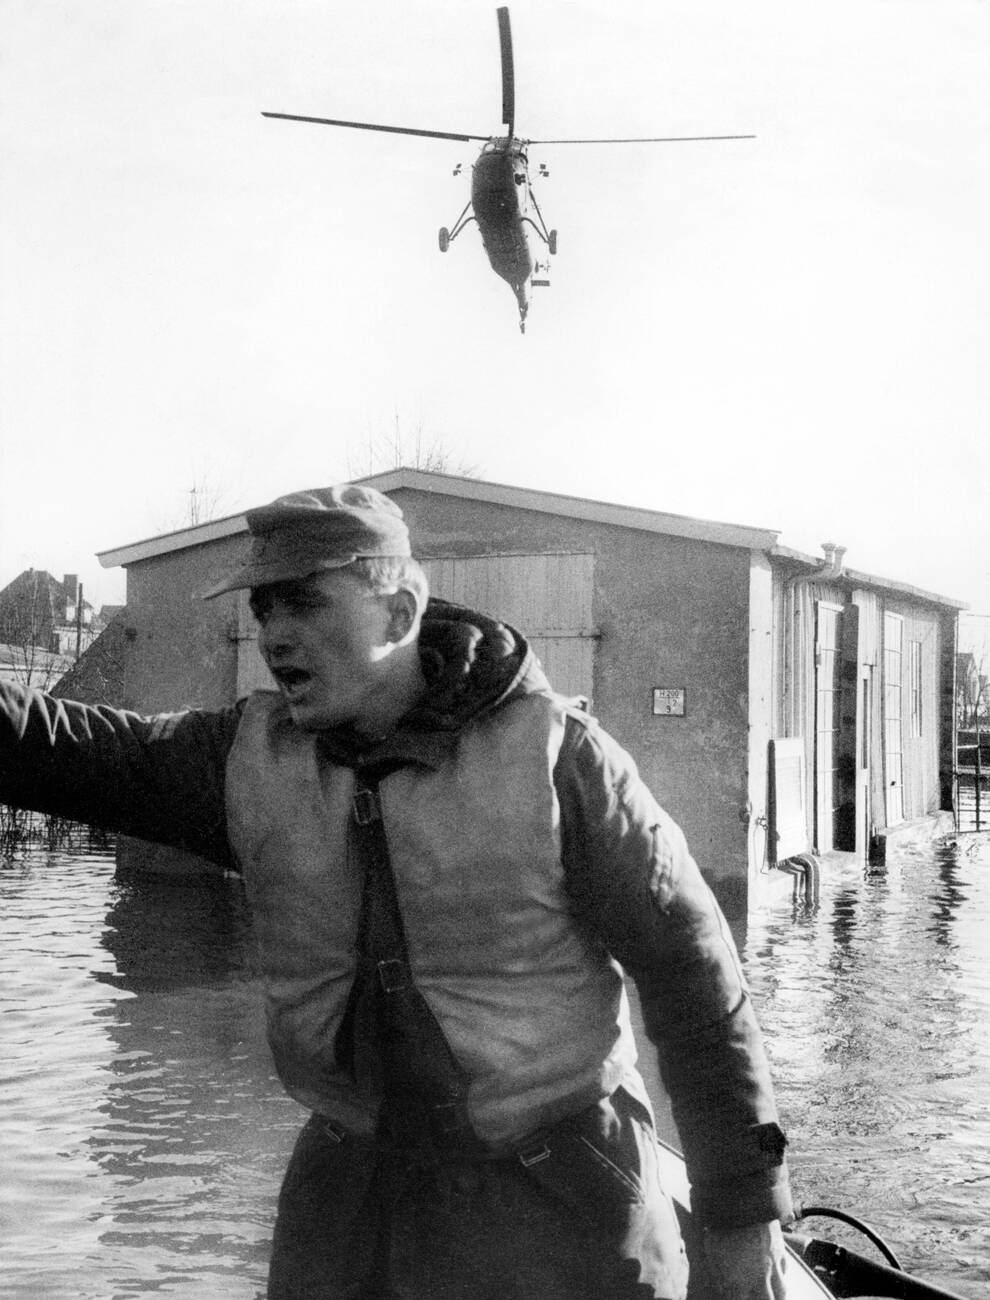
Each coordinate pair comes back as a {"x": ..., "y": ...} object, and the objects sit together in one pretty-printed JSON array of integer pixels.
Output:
[{"x": 277, "y": 634}]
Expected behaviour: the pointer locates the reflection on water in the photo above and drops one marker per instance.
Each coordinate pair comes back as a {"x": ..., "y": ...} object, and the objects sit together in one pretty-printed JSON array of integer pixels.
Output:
[
  {"x": 143, "y": 1135},
  {"x": 877, "y": 1014}
]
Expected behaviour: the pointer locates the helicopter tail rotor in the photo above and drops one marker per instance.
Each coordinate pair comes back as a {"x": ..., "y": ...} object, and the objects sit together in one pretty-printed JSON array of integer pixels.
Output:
[{"x": 508, "y": 74}]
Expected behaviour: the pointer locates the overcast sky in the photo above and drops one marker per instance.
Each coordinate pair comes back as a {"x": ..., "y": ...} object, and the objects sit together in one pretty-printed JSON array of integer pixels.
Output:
[{"x": 789, "y": 332}]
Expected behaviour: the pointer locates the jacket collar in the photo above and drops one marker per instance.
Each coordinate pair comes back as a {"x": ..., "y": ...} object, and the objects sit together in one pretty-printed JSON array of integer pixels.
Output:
[{"x": 472, "y": 664}]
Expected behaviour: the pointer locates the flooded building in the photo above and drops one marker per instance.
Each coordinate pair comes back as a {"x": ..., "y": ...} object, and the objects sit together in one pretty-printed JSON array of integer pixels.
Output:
[{"x": 776, "y": 703}]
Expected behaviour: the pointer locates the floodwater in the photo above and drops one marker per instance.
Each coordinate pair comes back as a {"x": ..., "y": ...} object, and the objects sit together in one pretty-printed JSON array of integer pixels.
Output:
[
  {"x": 142, "y": 1133},
  {"x": 876, "y": 1008}
]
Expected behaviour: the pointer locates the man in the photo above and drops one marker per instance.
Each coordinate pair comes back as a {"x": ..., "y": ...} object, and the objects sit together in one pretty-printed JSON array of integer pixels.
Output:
[{"x": 446, "y": 864}]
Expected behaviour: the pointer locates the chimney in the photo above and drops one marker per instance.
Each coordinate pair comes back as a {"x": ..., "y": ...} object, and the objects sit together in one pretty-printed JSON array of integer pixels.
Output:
[
  {"x": 70, "y": 597},
  {"x": 833, "y": 560}
]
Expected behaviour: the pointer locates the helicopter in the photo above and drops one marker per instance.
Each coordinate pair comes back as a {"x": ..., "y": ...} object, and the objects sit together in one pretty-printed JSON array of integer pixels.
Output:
[{"x": 502, "y": 202}]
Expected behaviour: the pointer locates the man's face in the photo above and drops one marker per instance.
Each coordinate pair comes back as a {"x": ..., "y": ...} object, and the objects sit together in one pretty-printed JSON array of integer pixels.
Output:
[{"x": 326, "y": 642}]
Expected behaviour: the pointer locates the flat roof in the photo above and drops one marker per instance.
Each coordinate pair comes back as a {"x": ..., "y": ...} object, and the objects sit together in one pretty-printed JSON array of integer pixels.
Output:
[
  {"x": 472, "y": 489},
  {"x": 212, "y": 531},
  {"x": 550, "y": 503}
]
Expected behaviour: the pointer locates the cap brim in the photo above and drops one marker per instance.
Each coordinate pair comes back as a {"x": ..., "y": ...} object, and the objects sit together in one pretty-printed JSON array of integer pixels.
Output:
[{"x": 264, "y": 575}]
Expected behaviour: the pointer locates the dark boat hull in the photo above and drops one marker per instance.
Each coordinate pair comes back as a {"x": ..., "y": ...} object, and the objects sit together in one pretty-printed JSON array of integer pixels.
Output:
[{"x": 815, "y": 1268}]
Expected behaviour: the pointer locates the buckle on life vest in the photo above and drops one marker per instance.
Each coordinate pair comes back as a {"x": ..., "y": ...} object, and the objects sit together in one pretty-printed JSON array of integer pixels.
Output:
[
  {"x": 533, "y": 1153},
  {"x": 366, "y": 807},
  {"x": 393, "y": 975}
]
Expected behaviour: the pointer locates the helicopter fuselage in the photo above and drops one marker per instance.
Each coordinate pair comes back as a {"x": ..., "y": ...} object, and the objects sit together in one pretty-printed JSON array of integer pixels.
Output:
[{"x": 500, "y": 197}]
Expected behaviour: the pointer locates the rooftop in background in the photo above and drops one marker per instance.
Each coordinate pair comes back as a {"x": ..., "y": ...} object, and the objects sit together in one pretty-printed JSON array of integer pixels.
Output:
[
  {"x": 471, "y": 489},
  {"x": 552, "y": 503}
]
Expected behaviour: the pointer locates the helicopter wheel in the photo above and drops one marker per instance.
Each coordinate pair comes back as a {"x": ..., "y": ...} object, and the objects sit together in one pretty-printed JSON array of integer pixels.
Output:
[
  {"x": 444, "y": 239},
  {"x": 552, "y": 242}
]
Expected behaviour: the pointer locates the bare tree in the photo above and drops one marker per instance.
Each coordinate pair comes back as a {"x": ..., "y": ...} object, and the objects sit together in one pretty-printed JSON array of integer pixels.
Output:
[
  {"x": 204, "y": 500},
  {"x": 414, "y": 449},
  {"x": 28, "y": 621},
  {"x": 209, "y": 495}
]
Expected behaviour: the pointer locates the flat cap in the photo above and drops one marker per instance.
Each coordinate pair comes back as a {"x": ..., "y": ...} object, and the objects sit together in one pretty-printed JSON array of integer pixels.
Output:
[{"x": 307, "y": 532}]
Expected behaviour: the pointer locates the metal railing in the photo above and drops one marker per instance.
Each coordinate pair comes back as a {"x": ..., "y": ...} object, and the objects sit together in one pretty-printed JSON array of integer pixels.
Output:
[{"x": 969, "y": 777}]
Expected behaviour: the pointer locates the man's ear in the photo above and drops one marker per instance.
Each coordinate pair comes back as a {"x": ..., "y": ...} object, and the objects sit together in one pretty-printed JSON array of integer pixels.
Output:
[{"x": 403, "y": 609}]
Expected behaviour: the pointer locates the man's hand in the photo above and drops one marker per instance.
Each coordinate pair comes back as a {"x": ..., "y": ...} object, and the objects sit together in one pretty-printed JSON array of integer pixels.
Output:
[{"x": 747, "y": 1263}]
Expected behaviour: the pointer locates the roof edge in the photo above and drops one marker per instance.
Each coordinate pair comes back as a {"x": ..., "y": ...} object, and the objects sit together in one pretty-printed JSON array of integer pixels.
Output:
[
  {"x": 555, "y": 503},
  {"x": 213, "y": 530},
  {"x": 471, "y": 489},
  {"x": 858, "y": 578}
]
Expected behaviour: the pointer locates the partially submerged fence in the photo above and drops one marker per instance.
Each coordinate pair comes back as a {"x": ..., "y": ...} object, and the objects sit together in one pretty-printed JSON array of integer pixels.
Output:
[{"x": 973, "y": 780}]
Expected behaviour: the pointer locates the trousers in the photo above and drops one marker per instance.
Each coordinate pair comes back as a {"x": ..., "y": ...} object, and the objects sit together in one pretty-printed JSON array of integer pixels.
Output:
[{"x": 585, "y": 1218}]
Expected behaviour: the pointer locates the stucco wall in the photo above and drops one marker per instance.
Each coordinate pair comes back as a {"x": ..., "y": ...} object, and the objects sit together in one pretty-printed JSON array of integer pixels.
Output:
[
  {"x": 181, "y": 649},
  {"x": 671, "y": 612}
]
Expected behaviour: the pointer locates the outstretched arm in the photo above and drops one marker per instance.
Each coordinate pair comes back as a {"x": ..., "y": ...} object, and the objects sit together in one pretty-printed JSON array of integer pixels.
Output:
[{"x": 159, "y": 778}]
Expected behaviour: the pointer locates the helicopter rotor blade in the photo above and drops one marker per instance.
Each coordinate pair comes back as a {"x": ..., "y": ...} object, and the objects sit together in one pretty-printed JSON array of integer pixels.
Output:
[
  {"x": 508, "y": 72},
  {"x": 375, "y": 126},
  {"x": 647, "y": 139}
]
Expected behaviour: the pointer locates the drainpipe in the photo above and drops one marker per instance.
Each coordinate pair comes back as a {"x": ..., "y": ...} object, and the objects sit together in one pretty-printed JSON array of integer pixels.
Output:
[{"x": 831, "y": 568}]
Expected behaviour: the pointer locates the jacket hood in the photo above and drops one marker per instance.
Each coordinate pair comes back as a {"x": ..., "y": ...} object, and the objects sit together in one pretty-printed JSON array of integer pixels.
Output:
[{"x": 472, "y": 664}]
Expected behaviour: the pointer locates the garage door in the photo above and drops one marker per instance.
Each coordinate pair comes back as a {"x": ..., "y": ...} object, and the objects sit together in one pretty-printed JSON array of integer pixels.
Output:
[{"x": 547, "y": 597}]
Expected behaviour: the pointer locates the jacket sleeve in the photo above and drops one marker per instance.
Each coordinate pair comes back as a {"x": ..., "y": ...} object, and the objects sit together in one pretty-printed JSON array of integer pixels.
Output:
[
  {"x": 159, "y": 778},
  {"x": 641, "y": 894}
]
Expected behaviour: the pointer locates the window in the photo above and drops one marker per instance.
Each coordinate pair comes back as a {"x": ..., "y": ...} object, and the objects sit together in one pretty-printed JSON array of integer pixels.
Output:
[{"x": 915, "y": 684}]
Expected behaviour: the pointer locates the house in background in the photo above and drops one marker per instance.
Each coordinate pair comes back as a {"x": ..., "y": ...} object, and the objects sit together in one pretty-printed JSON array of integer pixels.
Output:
[
  {"x": 776, "y": 703},
  {"x": 36, "y": 609},
  {"x": 43, "y": 626}
]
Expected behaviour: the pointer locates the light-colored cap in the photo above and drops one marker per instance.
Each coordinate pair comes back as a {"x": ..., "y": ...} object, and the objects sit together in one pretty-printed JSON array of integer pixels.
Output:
[{"x": 308, "y": 532}]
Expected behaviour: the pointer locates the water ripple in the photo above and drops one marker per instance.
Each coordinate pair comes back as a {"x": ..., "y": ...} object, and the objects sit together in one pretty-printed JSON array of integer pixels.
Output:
[
  {"x": 144, "y": 1135},
  {"x": 877, "y": 1015}
]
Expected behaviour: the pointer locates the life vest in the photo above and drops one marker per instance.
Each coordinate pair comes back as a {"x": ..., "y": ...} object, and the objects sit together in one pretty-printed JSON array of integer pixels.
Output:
[{"x": 533, "y": 1008}]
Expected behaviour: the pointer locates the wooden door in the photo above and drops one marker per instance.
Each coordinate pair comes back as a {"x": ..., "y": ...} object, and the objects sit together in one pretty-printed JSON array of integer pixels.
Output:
[
  {"x": 864, "y": 748},
  {"x": 828, "y": 645},
  {"x": 893, "y": 745}
]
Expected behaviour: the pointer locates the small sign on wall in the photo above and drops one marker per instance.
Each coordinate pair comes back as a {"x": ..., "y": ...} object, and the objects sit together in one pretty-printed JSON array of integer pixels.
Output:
[{"x": 668, "y": 701}]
